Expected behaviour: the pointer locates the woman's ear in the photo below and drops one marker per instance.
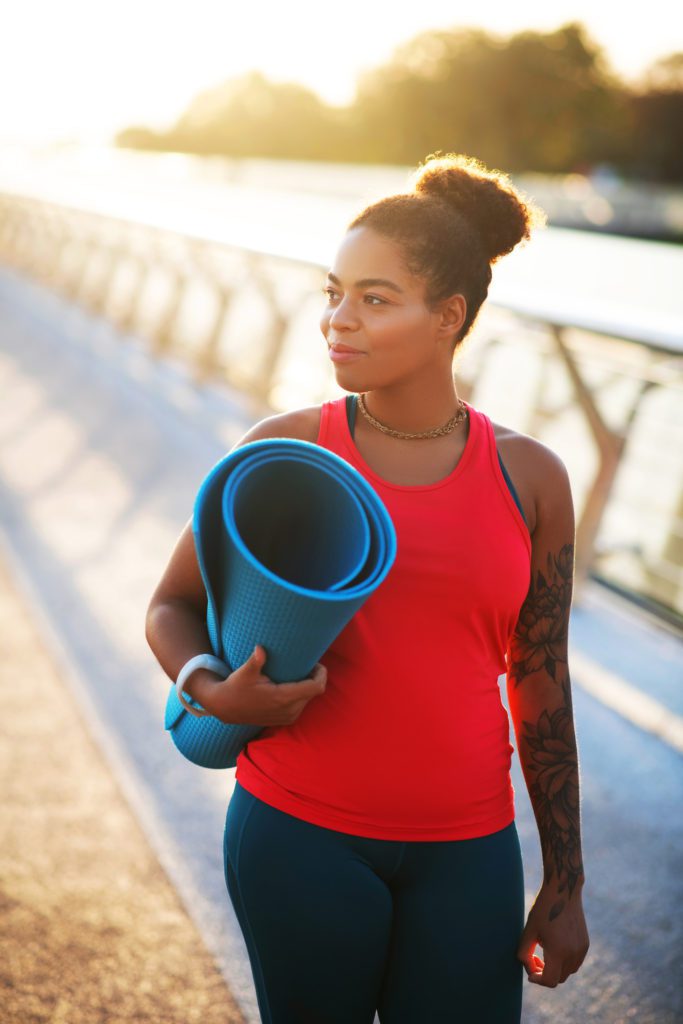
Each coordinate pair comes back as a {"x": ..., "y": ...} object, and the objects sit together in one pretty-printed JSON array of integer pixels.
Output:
[{"x": 453, "y": 313}]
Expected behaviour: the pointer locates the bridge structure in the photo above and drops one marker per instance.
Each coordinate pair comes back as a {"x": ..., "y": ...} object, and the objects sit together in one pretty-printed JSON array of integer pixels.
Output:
[
  {"x": 111, "y": 416},
  {"x": 226, "y": 287}
]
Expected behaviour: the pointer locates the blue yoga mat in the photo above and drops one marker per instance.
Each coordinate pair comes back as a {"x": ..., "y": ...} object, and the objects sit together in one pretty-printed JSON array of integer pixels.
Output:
[{"x": 290, "y": 541}]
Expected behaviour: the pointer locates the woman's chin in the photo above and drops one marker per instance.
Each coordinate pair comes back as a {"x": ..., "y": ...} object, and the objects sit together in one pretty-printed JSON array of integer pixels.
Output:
[{"x": 347, "y": 379}]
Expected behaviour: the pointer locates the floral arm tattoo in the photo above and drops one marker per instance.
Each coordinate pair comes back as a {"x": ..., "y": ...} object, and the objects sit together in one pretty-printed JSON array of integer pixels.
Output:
[{"x": 540, "y": 699}]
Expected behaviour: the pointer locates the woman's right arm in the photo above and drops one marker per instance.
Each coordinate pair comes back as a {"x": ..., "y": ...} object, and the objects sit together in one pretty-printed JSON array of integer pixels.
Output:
[{"x": 175, "y": 625}]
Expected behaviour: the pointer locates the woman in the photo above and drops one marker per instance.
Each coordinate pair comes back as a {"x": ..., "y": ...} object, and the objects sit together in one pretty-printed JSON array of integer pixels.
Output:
[{"x": 371, "y": 852}]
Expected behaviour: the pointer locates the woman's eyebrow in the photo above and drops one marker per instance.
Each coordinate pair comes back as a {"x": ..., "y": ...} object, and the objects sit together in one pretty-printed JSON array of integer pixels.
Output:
[{"x": 369, "y": 282}]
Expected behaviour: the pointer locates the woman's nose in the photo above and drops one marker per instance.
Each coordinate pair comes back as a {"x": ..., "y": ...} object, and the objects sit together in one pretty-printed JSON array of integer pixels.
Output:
[{"x": 343, "y": 315}]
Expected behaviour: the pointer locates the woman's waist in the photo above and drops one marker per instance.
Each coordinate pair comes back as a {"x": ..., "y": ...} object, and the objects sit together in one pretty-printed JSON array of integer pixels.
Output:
[
  {"x": 420, "y": 788},
  {"x": 389, "y": 740}
]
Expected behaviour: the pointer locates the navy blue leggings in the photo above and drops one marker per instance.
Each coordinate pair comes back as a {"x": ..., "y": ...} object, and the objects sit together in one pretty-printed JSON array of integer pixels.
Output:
[{"x": 338, "y": 926}]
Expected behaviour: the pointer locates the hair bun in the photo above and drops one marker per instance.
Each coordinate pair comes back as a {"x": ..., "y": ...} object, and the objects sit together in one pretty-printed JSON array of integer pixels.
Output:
[{"x": 501, "y": 215}]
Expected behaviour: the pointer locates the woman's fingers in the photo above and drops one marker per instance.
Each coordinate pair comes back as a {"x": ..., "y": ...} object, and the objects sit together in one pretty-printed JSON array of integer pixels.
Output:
[
  {"x": 563, "y": 943},
  {"x": 549, "y": 976},
  {"x": 294, "y": 697},
  {"x": 525, "y": 950},
  {"x": 305, "y": 688},
  {"x": 533, "y": 964},
  {"x": 249, "y": 695},
  {"x": 546, "y": 972},
  {"x": 255, "y": 662},
  {"x": 551, "y": 972},
  {"x": 282, "y": 703}
]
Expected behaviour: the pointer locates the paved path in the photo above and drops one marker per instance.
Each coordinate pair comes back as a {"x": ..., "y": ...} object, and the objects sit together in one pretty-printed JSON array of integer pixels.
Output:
[
  {"x": 92, "y": 929},
  {"x": 101, "y": 453}
]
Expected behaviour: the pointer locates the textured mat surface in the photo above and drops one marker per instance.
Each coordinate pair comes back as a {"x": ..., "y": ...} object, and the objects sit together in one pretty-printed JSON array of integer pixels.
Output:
[{"x": 290, "y": 540}]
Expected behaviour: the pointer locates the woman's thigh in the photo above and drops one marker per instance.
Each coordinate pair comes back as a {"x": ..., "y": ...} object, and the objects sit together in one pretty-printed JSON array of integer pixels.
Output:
[
  {"x": 458, "y": 917},
  {"x": 315, "y": 917}
]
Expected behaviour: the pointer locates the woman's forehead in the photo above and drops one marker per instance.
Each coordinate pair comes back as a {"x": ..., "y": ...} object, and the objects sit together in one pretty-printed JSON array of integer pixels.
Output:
[{"x": 364, "y": 253}]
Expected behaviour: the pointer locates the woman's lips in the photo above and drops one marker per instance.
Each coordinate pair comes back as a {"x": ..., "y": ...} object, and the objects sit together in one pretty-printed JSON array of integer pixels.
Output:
[{"x": 344, "y": 353}]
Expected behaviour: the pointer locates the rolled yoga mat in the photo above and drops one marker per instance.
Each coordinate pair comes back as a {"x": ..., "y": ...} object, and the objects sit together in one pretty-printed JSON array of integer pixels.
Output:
[{"x": 290, "y": 541}]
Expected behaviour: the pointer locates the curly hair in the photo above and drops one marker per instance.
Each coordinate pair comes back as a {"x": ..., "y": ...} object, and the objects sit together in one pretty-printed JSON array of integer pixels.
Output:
[{"x": 457, "y": 220}]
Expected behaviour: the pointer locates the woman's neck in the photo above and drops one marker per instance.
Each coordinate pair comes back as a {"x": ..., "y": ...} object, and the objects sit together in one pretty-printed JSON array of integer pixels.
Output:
[{"x": 411, "y": 409}]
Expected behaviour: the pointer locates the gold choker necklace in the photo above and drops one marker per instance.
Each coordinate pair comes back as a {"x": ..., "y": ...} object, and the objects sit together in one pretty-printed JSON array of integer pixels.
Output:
[{"x": 460, "y": 415}]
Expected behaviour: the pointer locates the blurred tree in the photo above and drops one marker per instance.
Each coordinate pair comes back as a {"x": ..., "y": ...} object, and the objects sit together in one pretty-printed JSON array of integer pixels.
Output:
[
  {"x": 655, "y": 151},
  {"x": 413, "y": 105},
  {"x": 537, "y": 101},
  {"x": 251, "y": 116},
  {"x": 666, "y": 74},
  {"x": 140, "y": 137},
  {"x": 560, "y": 105},
  {"x": 533, "y": 101}
]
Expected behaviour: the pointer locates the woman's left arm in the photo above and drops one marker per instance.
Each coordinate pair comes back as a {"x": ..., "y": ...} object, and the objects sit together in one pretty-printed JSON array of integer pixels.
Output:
[{"x": 540, "y": 702}]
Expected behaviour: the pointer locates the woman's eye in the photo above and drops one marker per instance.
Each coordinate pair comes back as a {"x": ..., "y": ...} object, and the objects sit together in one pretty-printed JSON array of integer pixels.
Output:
[{"x": 372, "y": 300}]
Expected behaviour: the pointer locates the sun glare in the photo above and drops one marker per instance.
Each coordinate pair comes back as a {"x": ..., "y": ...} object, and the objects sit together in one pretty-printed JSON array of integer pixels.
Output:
[{"x": 72, "y": 69}]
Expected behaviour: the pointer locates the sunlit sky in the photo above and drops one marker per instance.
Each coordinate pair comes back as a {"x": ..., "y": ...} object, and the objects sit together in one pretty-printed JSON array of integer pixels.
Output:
[{"x": 83, "y": 69}]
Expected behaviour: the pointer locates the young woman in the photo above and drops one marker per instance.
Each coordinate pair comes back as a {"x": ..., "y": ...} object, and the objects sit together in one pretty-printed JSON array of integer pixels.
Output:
[{"x": 371, "y": 852}]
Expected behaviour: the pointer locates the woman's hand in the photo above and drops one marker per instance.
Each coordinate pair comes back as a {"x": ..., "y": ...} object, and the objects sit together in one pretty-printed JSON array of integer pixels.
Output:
[
  {"x": 558, "y": 925},
  {"x": 249, "y": 696}
]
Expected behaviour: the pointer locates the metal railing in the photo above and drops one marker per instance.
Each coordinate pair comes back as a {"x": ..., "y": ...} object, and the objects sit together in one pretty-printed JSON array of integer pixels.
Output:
[{"x": 608, "y": 400}]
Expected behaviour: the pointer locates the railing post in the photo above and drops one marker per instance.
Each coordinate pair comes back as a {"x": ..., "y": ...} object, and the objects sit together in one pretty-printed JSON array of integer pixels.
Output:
[
  {"x": 127, "y": 321},
  {"x": 667, "y": 586},
  {"x": 275, "y": 337},
  {"x": 207, "y": 362},
  {"x": 98, "y": 296},
  {"x": 610, "y": 446},
  {"x": 163, "y": 333}
]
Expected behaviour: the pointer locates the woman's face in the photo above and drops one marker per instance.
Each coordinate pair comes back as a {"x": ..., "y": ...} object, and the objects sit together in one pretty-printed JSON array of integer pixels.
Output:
[{"x": 376, "y": 307}]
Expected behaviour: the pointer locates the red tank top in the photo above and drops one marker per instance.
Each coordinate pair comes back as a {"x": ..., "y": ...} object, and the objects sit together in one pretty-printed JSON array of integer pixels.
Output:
[{"x": 410, "y": 740}]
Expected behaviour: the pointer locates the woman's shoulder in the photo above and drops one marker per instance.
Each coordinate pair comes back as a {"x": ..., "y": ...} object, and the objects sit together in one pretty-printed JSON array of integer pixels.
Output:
[
  {"x": 524, "y": 448},
  {"x": 537, "y": 471},
  {"x": 302, "y": 424}
]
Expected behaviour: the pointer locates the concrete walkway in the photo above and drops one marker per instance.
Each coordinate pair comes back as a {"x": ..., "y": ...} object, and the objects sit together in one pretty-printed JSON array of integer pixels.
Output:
[{"x": 92, "y": 929}]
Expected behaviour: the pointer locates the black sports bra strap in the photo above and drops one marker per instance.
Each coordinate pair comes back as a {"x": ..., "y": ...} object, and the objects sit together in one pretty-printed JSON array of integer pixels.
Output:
[
  {"x": 511, "y": 487},
  {"x": 351, "y": 407}
]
